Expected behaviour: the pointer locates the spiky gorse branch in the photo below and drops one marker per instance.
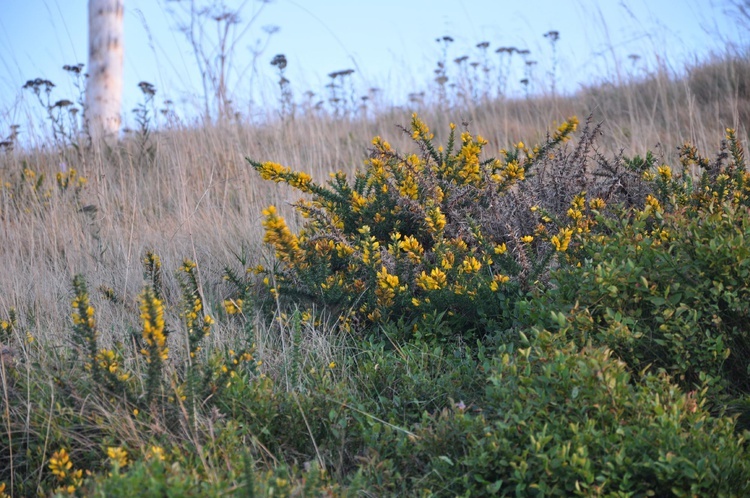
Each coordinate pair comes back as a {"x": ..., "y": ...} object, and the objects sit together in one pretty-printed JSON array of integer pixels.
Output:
[
  {"x": 152, "y": 272},
  {"x": 154, "y": 335},
  {"x": 69, "y": 478},
  {"x": 197, "y": 322},
  {"x": 85, "y": 334},
  {"x": 405, "y": 236}
]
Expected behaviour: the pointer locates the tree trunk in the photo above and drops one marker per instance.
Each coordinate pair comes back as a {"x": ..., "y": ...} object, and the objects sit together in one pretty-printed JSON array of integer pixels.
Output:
[{"x": 104, "y": 84}]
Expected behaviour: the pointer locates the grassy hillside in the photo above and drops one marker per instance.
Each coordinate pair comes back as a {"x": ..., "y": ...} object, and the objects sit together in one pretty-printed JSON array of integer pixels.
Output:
[{"x": 588, "y": 336}]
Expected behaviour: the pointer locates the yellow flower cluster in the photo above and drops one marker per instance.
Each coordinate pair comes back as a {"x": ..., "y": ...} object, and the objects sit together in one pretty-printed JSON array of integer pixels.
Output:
[
  {"x": 420, "y": 131},
  {"x": 412, "y": 247},
  {"x": 280, "y": 237},
  {"x": 497, "y": 281},
  {"x": 83, "y": 312},
  {"x": 597, "y": 204},
  {"x": 110, "y": 361},
  {"x": 60, "y": 464},
  {"x": 117, "y": 456},
  {"x": 387, "y": 286},
  {"x": 369, "y": 247},
  {"x": 565, "y": 129},
  {"x": 508, "y": 174},
  {"x": 358, "y": 202},
  {"x": 152, "y": 316},
  {"x": 664, "y": 172},
  {"x": 408, "y": 187},
  {"x": 435, "y": 221},
  {"x": 62, "y": 468},
  {"x": 652, "y": 204},
  {"x": 155, "y": 453},
  {"x": 381, "y": 146},
  {"x": 471, "y": 265},
  {"x": 70, "y": 178},
  {"x": 561, "y": 241},
  {"x": 278, "y": 173},
  {"x": 469, "y": 172},
  {"x": 233, "y": 306},
  {"x": 436, "y": 280}
]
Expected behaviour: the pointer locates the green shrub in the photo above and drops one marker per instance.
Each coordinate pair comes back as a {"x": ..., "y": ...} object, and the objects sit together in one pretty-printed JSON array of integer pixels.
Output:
[
  {"x": 669, "y": 285},
  {"x": 563, "y": 421}
]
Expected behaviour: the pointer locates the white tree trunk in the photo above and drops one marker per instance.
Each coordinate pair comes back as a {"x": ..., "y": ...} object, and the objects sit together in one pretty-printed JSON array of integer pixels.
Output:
[{"x": 104, "y": 84}]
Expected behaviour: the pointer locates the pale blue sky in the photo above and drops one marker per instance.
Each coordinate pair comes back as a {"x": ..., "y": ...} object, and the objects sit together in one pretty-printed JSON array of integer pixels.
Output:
[{"x": 391, "y": 43}]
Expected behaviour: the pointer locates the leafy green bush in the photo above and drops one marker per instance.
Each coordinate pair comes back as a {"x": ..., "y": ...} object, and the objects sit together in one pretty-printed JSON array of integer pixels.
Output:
[
  {"x": 669, "y": 285},
  {"x": 562, "y": 421}
]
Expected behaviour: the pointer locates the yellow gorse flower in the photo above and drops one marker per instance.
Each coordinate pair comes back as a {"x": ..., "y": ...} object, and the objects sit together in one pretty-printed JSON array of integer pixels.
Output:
[
  {"x": 420, "y": 131},
  {"x": 652, "y": 204},
  {"x": 435, "y": 220},
  {"x": 233, "y": 306},
  {"x": 597, "y": 204},
  {"x": 155, "y": 452},
  {"x": 278, "y": 173},
  {"x": 497, "y": 281},
  {"x": 118, "y": 456},
  {"x": 387, "y": 286},
  {"x": 408, "y": 188},
  {"x": 152, "y": 317},
  {"x": 561, "y": 241},
  {"x": 664, "y": 172},
  {"x": 60, "y": 464},
  {"x": 436, "y": 280},
  {"x": 111, "y": 362},
  {"x": 412, "y": 247},
  {"x": 471, "y": 265},
  {"x": 565, "y": 129},
  {"x": 358, "y": 202},
  {"x": 280, "y": 237}
]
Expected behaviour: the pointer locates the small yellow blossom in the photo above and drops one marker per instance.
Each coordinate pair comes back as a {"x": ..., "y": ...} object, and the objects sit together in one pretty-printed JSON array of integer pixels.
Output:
[
  {"x": 664, "y": 172},
  {"x": 118, "y": 456},
  {"x": 501, "y": 248},
  {"x": 60, "y": 464},
  {"x": 471, "y": 265}
]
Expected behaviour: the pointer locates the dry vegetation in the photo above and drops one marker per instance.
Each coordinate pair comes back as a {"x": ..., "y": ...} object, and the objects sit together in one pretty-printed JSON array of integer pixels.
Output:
[{"x": 189, "y": 192}]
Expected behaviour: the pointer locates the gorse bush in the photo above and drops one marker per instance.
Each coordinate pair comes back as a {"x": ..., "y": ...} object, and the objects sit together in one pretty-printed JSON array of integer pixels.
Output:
[{"x": 439, "y": 232}]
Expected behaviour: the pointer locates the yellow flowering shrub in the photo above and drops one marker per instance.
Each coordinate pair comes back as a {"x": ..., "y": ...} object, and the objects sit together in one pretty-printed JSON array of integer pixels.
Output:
[{"x": 419, "y": 233}]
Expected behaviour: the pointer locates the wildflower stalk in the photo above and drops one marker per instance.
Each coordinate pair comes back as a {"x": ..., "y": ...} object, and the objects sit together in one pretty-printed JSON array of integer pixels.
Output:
[
  {"x": 154, "y": 336},
  {"x": 84, "y": 325},
  {"x": 197, "y": 323},
  {"x": 152, "y": 273}
]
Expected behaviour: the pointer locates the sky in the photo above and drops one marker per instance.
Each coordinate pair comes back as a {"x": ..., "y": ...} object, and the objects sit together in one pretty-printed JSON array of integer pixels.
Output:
[{"x": 391, "y": 45}]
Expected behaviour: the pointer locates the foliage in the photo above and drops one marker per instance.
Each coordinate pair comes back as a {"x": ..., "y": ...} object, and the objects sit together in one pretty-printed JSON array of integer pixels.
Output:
[
  {"x": 669, "y": 285},
  {"x": 421, "y": 234},
  {"x": 563, "y": 421}
]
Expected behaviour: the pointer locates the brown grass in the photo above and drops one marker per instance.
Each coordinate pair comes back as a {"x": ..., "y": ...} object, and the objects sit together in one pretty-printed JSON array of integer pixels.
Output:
[{"x": 198, "y": 198}]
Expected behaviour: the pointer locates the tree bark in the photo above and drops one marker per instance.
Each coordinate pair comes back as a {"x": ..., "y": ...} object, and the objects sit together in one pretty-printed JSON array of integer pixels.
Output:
[{"x": 104, "y": 84}]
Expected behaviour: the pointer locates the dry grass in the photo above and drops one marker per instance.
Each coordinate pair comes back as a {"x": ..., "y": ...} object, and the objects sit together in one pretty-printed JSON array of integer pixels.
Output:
[{"x": 197, "y": 197}]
